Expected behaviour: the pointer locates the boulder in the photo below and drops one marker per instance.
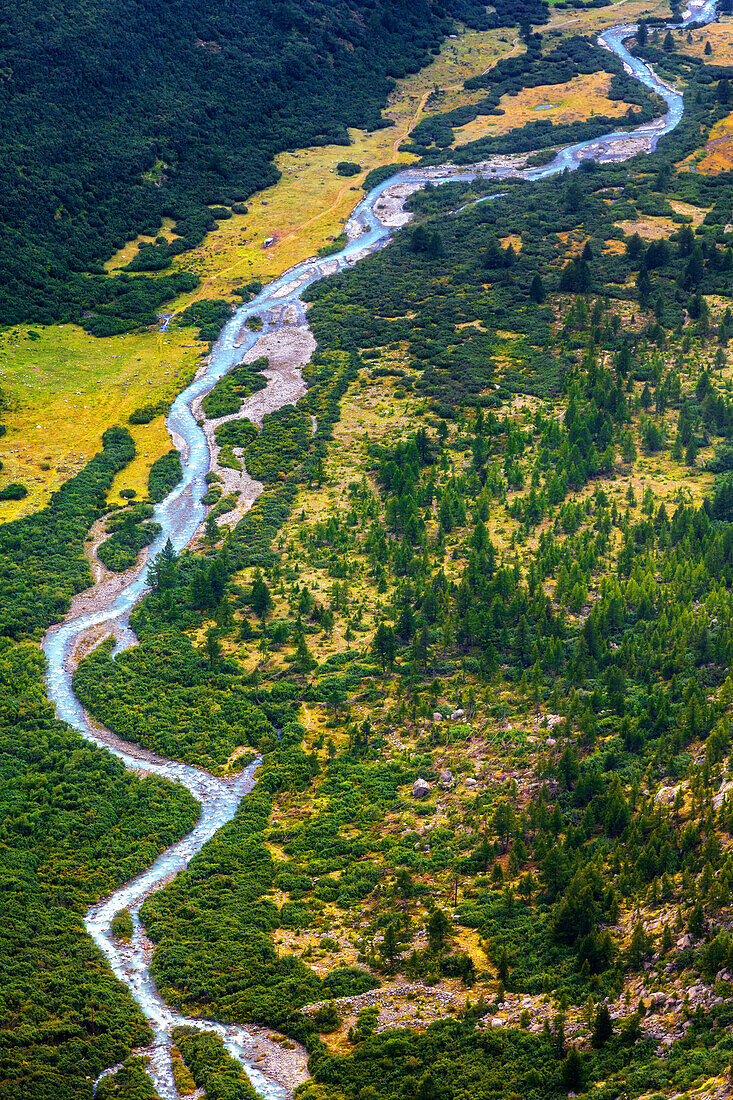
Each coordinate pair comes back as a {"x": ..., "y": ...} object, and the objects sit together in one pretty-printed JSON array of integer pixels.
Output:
[
  {"x": 665, "y": 796},
  {"x": 446, "y": 779},
  {"x": 470, "y": 783},
  {"x": 457, "y": 713},
  {"x": 657, "y": 1001},
  {"x": 726, "y": 788},
  {"x": 420, "y": 788},
  {"x": 437, "y": 716}
]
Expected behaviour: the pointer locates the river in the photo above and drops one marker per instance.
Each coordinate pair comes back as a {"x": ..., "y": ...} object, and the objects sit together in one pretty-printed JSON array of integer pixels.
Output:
[{"x": 180, "y": 514}]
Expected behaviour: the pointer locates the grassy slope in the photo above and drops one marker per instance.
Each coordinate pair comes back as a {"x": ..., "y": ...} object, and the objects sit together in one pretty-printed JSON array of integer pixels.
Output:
[{"x": 307, "y": 208}]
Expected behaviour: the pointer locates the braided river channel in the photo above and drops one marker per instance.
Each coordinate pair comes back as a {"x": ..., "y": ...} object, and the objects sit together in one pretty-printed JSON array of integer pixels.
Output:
[{"x": 181, "y": 513}]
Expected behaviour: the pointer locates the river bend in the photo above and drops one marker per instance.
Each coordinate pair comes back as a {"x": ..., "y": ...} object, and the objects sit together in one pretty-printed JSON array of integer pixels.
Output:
[{"x": 180, "y": 514}]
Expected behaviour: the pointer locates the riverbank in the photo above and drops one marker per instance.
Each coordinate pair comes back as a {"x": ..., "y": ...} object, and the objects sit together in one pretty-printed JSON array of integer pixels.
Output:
[{"x": 286, "y": 344}]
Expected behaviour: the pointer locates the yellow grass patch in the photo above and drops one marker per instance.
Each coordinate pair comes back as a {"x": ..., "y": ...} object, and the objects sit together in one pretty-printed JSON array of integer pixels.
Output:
[
  {"x": 649, "y": 228},
  {"x": 512, "y": 239},
  {"x": 577, "y": 99},
  {"x": 123, "y": 257},
  {"x": 720, "y": 37},
  {"x": 687, "y": 210},
  {"x": 66, "y": 387},
  {"x": 717, "y": 153}
]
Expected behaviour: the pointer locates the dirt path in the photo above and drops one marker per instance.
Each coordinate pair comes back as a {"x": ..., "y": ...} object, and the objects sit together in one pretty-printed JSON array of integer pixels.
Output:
[
  {"x": 411, "y": 124},
  {"x": 98, "y": 535},
  {"x": 515, "y": 47}
]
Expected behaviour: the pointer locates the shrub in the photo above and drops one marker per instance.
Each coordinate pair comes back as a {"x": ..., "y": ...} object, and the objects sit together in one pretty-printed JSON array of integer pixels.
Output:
[{"x": 14, "y": 491}]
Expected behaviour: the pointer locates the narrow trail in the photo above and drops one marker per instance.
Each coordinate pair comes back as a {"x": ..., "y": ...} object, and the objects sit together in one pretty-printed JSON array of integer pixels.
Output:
[
  {"x": 105, "y": 608},
  {"x": 515, "y": 46},
  {"x": 410, "y": 125}
]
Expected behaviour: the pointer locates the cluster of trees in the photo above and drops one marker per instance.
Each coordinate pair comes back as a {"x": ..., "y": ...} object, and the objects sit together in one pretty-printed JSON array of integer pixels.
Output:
[
  {"x": 209, "y": 316},
  {"x": 230, "y": 392},
  {"x": 211, "y": 1067},
  {"x": 165, "y": 473},
  {"x": 204, "y": 713},
  {"x": 532, "y": 69},
  {"x": 146, "y": 124},
  {"x": 73, "y": 825},
  {"x": 42, "y": 563},
  {"x": 131, "y": 1081},
  {"x": 121, "y": 304},
  {"x": 130, "y": 532},
  {"x": 281, "y": 445}
]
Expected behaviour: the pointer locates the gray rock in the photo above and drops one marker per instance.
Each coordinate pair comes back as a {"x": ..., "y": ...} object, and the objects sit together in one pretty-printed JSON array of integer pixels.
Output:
[
  {"x": 437, "y": 716},
  {"x": 420, "y": 788},
  {"x": 665, "y": 796},
  {"x": 446, "y": 779},
  {"x": 457, "y": 714},
  {"x": 726, "y": 788},
  {"x": 470, "y": 783}
]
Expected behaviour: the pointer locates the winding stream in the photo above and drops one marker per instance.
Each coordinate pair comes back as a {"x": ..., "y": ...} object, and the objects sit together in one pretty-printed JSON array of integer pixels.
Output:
[{"x": 181, "y": 513}]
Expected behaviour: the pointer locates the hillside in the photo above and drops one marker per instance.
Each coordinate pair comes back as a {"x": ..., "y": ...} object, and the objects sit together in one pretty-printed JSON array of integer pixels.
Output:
[
  {"x": 113, "y": 115},
  {"x": 477, "y": 625}
]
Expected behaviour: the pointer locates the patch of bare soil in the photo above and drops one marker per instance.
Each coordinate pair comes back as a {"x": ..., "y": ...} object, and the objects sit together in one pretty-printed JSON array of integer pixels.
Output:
[
  {"x": 389, "y": 208},
  {"x": 278, "y": 1058},
  {"x": 287, "y": 350},
  {"x": 107, "y": 585}
]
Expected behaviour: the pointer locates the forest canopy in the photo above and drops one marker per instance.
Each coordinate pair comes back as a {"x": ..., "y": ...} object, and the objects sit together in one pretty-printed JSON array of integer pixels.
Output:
[{"x": 115, "y": 114}]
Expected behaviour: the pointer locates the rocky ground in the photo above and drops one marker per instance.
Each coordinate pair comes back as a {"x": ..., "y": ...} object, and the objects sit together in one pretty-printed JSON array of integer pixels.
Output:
[{"x": 287, "y": 351}]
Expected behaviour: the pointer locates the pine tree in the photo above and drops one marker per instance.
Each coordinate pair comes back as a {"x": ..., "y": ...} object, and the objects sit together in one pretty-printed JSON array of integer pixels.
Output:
[
  {"x": 162, "y": 572},
  {"x": 213, "y": 534},
  {"x": 213, "y": 647},
  {"x": 440, "y": 929},
  {"x": 260, "y": 597},
  {"x": 573, "y": 1070},
  {"x": 603, "y": 1028}
]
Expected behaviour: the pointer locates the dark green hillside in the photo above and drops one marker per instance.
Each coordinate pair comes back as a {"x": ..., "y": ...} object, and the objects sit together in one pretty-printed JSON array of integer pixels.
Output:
[
  {"x": 73, "y": 824},
  {"x": 115, "y": 113}
]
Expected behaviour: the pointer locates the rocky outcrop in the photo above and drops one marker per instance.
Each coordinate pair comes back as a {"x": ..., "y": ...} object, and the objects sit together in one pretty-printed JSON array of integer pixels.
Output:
[{"x": 421, "y": 788}]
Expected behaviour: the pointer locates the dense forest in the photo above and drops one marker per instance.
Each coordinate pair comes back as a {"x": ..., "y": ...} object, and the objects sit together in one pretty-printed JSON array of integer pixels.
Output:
[
  {"x": 479, "y": 628},
  {"x": 116, "y": 114},
  {"x": 73, "y": 824}
]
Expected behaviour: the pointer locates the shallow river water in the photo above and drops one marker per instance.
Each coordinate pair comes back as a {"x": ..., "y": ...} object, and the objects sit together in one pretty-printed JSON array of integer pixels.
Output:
[{"x": 181, "y": 513}]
